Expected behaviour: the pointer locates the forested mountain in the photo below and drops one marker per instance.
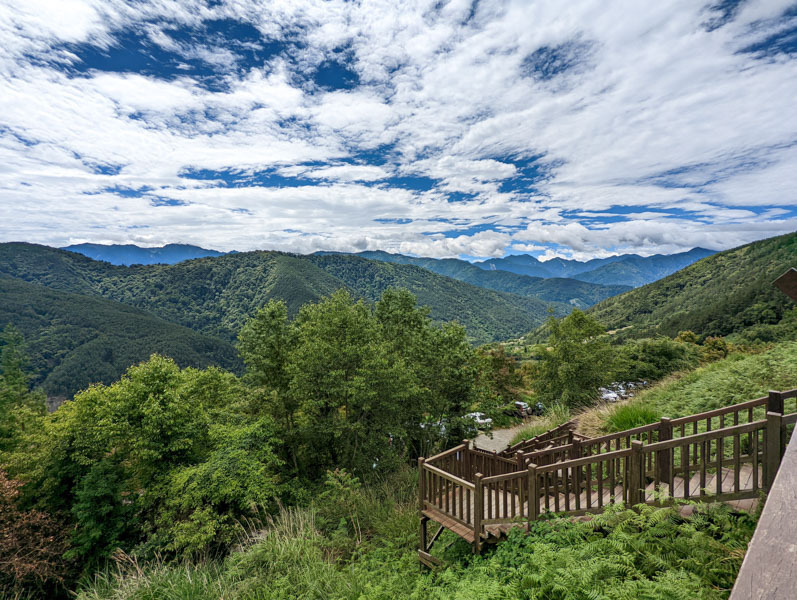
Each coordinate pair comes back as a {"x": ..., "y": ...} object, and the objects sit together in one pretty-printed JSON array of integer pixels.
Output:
[
  {"x": 571, "y": 291},
  {"x": 216, "y": 296},
  {"x": 627, "y": 269},
  {"x": 719, "y": 295},
  {"x": 75, "y": 340},
  {"x": 129, "y": 254}
]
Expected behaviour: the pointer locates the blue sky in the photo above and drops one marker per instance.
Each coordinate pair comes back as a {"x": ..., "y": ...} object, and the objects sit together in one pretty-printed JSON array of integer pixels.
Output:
[{"x": 464, "y": 128}]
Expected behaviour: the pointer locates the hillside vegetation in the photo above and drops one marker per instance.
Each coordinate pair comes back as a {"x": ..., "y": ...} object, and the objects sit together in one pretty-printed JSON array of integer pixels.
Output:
[
  {"x": 718, "y": 295},
  {"x": 75, "y": 340},
  {"x": 215, "y": 296}
]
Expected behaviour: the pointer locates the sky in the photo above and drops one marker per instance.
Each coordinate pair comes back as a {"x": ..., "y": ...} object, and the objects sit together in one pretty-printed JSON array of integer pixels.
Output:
[{"x": 469, "y": 129}]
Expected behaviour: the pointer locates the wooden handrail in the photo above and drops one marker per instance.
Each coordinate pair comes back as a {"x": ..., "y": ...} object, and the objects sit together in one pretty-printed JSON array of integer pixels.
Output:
[
  {"x": 578, "y": 462},
  {"x": 705, "y": 436},
  {"x": 516, "y": 485},
  {"x": 452, "y": 478},
  {"x": 506, "y": 476},
  {"x": 448, "y": 452},
  {"x": 621, "y": 434},
  {"x": 720, "y": 411}
]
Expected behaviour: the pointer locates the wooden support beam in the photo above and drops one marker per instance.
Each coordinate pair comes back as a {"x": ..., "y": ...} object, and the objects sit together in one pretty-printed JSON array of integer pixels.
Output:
[
  {"x": 434, "y": 538},
  {"x": 429, "y": 560},
  {"x": 478, "y": 499}
]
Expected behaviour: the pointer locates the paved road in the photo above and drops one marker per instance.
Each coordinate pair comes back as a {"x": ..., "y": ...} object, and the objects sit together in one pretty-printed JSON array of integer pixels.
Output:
[{"x": 500, "y": 438}]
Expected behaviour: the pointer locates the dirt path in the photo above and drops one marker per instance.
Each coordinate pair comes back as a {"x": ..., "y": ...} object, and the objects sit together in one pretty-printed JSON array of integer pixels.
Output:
[{"x": 500, "y": 439}]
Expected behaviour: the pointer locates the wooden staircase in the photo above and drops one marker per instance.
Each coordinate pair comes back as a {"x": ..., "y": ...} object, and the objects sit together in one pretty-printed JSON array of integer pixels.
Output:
[{"x": 725, "y": 455}]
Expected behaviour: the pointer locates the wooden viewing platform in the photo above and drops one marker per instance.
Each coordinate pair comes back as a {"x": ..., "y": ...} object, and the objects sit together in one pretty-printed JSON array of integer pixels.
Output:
[{"x": 729, "y": 454}]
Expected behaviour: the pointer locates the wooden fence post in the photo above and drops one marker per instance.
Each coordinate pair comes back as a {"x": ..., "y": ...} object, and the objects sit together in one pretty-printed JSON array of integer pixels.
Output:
[
  {"x": 635, "y": 472},
  {"x": 478, "y": 498},
  {"x": 773, "y": 448},
  {"x": 534, "y": 495},
  {"x": 664, "y": 457},
  {"x": 421, "y": 499},
  {"x": 575, "y": 452},
  {"x": 421, "y": 483},
  {"x": 775, "y": 402},
  {"x": 520, "y": 460},
  {"x": 466, "y": 474}
]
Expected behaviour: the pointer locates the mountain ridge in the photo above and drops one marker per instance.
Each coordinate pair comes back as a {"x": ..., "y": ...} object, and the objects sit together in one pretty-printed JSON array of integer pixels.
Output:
[
  {"x": 131, "y": 254},
  {"x": 216, "y": 295},
  {"x": 721, "y": 294},
  {"x": 570, "y": 291},
  {"x": 639, "y": 270}
]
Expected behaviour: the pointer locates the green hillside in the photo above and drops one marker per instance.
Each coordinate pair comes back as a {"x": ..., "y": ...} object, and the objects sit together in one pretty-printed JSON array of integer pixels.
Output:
[
  {"x": 577, "y": 293},
  {"x": 76, "y": 340},
  {"x": 718, "y": 295},
  {"x": 216, "y": 296}
]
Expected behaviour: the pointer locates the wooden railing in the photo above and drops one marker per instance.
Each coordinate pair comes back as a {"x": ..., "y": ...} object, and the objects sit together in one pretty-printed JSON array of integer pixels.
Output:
[
  {"x": 558, "y": 436},
  {"x": 718, "y": 455}
]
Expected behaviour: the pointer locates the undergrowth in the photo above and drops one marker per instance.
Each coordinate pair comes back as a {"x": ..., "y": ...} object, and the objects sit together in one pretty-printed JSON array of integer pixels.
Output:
[{"x": 622, "y": 554}]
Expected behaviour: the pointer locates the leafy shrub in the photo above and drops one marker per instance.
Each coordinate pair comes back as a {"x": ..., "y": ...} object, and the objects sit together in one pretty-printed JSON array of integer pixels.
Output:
[
  {"x": 653, "y": 358},
  {"x": 628, "y": 416}
]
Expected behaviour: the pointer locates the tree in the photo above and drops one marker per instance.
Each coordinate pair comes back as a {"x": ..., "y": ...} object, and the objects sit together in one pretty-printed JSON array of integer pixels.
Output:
[
  {"x": 347, "y": 382},
  {"x": 164, "y": 459},
  {"x": 19, "y": 406},
  {"x": 576, "y": 363}
]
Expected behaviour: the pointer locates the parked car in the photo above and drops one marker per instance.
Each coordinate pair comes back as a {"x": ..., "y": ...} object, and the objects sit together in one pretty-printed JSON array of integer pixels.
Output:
[
  {"x": 608, "y": 395},
  {"x": 537, "y": 410},
  {"x": 482, "y": 421}
]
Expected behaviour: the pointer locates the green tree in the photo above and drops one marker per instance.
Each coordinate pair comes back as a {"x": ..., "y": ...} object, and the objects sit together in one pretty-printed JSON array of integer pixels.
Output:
[
  {"x": 576, "y": 362},
  {"x": 20, "y": 407},
  {"x": 350, "y": 384},
  {"x": 163, "y": 460}
]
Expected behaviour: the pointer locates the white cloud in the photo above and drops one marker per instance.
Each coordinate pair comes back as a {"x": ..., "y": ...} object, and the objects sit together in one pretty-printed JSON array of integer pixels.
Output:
[{"x": 662, "y": 128}]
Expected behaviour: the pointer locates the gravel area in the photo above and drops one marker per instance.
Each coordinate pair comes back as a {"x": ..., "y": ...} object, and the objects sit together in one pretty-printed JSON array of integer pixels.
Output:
[{"x": 498, "y": 439}]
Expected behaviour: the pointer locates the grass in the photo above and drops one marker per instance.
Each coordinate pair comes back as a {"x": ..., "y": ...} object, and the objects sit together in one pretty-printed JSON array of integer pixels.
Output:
[
  {"x": 553, "y": 417},
  {"x": 630, "y": 415}
]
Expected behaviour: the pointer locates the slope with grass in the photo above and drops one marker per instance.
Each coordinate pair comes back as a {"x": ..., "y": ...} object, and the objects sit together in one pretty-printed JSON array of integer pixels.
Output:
[
  {"x": 75, "y": 340},
  {"x": 557, "y": 289},
  {"x": 215, "y": 296},
  {"x": 719, "y": 295},
  {"x": 734, "y": 379}
]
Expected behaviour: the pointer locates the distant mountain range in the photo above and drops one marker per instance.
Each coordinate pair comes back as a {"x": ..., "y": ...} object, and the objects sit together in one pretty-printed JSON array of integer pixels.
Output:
[
  {"x": 129, "y": 254},
  {"x": 626, "y": 269},
  {"x": 570, "y": 291}
]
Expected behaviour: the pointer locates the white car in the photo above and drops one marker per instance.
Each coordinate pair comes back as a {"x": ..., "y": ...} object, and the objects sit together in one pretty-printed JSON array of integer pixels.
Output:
[{"x": 482, "y": 421}]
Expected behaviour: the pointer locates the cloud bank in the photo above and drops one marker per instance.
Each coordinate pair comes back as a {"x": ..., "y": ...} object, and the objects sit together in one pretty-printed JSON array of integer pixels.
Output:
[{"x": 460, "y": 128}]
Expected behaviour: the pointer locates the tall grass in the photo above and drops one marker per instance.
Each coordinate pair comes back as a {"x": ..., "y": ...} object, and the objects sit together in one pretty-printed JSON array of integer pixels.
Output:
[
  {"x": 628, "y": 416},
  {"x": 622, "y": 554},
  {"x": 555, "y": 415}
]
